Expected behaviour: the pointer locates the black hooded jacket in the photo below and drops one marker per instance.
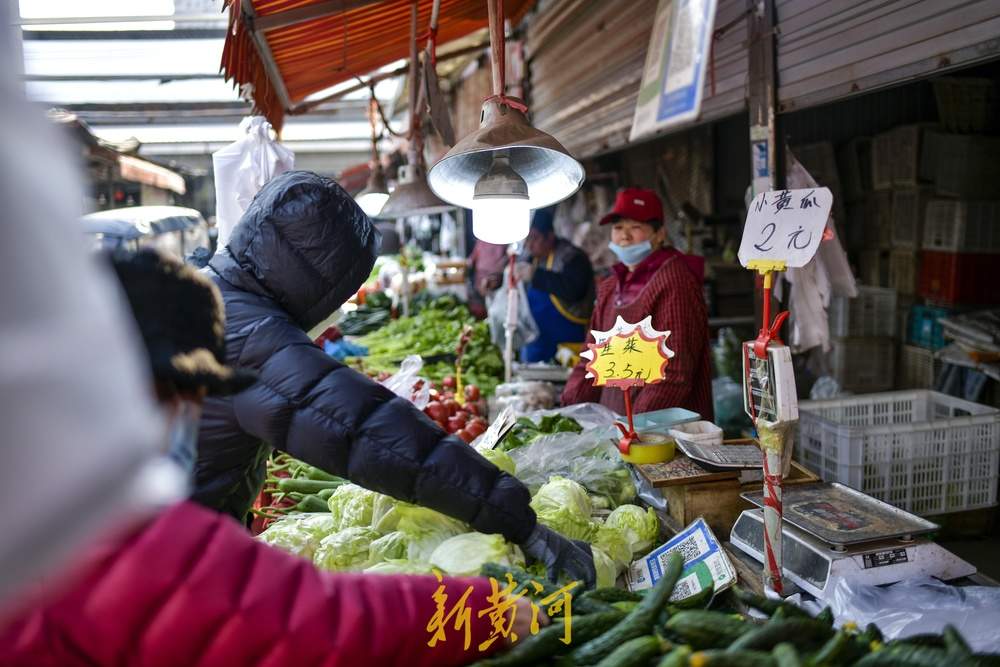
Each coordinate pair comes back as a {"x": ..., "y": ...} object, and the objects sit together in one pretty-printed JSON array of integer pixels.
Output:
[{"x": 301, "y": 249}]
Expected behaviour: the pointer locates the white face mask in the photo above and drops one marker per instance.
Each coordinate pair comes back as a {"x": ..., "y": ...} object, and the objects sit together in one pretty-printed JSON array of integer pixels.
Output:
[{"x": 183, "y": 435}]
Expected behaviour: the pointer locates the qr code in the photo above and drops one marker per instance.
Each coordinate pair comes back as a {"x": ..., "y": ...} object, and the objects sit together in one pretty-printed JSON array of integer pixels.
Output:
[
  {"x": 685, "y": 588},
  {"x": 690, "y": 549}
]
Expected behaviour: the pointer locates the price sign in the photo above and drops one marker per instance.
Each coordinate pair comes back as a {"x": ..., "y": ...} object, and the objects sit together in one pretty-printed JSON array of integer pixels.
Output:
[
  {"x": 628, "y": 355},
  {"x": 785, "y": 226}
]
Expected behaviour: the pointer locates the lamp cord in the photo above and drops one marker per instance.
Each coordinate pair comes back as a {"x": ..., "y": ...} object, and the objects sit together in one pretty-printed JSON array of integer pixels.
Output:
[{"x": 498, "y": 48}]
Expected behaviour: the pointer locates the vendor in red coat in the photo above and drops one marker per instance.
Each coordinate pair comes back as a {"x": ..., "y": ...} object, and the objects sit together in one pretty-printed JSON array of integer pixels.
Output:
[{"x": 651, "y": 278}]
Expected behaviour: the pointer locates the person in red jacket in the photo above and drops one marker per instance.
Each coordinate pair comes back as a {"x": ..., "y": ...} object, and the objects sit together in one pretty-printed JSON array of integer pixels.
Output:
[
  {"x": 192, "y": 587},
  {"x": 651, "y": 278}
]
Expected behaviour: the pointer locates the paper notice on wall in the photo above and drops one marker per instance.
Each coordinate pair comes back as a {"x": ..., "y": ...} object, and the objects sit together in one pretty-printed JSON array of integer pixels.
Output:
[{"x": 676, "y": 61}]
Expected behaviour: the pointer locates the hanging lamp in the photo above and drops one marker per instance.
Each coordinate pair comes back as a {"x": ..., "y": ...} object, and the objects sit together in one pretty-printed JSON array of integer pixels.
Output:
[
  {"x": 506, "y": 167},
  {"x": 372, "y": 199},
  {"x": 412, "y": 196}
]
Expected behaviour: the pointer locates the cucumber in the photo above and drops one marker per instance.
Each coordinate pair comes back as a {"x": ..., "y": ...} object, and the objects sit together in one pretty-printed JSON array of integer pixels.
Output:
[
  {"x": 722, "y": 658},
  {"x": 767, "y": 605},
  {"x": 707, "y": 629},
  {"x": 549, "y": 641},
  {"x": 904, "y": 655},
  {"x": 611, "y": 595},
  {"x": 826, "y": 616},
  {"x": 832, "y": 650},
  {"x": 924, "y": 639},
  {"x": 634, "y": 653},
  {"x": 699, "y": 600},
  {"x": 625, "y": 606},
  {"x": 785, "y": 655},
  {"x": 638, "y": 623},
  {"x": 676, "y": 658},
  {"x": 982, "y": 660},
  {"x": 527, "y": 583},
  {"x": 804, "y": 633},
  {"x": 954, "y": 642},
  {"x": 871, "y": 634}
]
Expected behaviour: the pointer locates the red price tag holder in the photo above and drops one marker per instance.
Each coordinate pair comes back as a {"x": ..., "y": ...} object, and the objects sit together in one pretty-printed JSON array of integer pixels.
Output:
[{"x": 629, "y": 355}]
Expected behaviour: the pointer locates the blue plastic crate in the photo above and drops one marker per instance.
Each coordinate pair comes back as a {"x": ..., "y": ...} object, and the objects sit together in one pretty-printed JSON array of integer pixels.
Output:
[{"x": 925, "y": 327}]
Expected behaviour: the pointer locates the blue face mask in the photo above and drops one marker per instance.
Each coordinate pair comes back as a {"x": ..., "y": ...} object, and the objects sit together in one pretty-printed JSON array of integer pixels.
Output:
[
  {"x": 183, "y": 436},
  {"x": 630, "y": 255}
]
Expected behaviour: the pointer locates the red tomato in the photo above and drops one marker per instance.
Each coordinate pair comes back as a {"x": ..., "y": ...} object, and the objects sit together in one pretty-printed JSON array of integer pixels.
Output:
[
  {"x": 476, "y": 428},
  {"x": 452, "y": 406},
  {"x": 448, "y": 382},
  {"x": 472, "y": 393},
  {"x": 456, "y": 423},
  {"x": 437, "y": 411},
  {"x": 466, "y": 436}
]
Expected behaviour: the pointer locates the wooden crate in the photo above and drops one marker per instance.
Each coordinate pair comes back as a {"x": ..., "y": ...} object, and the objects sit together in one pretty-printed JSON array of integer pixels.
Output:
[{"x": 692, "y": 492}]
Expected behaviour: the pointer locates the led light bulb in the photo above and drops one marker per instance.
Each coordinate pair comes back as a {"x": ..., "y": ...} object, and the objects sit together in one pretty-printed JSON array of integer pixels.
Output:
[
  {"x": 372, "y": 202},
  {"x": 501, "y": 220}
]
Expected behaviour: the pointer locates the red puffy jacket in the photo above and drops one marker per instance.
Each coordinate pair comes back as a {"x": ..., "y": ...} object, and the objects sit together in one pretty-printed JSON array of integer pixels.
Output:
[{"x": 193, "y": 588}]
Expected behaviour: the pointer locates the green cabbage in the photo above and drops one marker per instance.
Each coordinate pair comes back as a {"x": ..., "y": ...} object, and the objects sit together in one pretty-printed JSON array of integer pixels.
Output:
[
  {"x": 559, "y": 493},
  {"x": 345, "y": 550},
  {"x": 498, "y": 458},
  {"x": 607, "y": 573},
  {"x": 425, "y": 529},
  {"x": 385, "y": 516},
  {"x": 614, "y": 543},
  {"x": 641, "y": 527},
  {"x": 464, "y": 555},
  {"x": 295, "y": 535},
  {"x": 388, "y": 547},
  {"x": 398, "y": 566},
  {"x": 564, "y": 506},
  {"x": 352, "y": 506}
]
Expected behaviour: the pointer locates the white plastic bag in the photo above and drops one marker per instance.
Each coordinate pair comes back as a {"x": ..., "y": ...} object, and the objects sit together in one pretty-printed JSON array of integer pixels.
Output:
[
  {"x": 242, "y": 168},
  {"x": 405, "y": 383},
  {"x": 527, "y": 329},
  {"x": 922, "y": 605}
]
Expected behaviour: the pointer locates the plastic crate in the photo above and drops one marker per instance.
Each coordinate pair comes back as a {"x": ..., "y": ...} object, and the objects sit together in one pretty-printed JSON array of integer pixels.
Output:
[
  {"x": 962, "y": 226},
  {"x": 924, "y": 329},
  {"x": 904, "y": 270},
  {"x": 863, "y": 365},
  {"x": 963, "y": 165},
  {"x": 878, "y": 220},
  {"x": 871, "y": 313},
  {"x": 958, "y": 277},
  {"x": 873, "y": 267},
  {"x": 925, "y": 452},
  {"x": 855, "y": 162},
  {"x": 917, "y": 368},
  {"x": 967, "y": 104},
  {"x": 908, "y": 207}
]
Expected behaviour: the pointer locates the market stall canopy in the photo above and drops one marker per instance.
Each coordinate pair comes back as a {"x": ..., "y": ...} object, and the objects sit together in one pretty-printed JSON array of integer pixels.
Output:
[
  {"x": 142, "y": 171},
  {"x": 291, "y": 49},
  {"x": 136, "y": 221}
]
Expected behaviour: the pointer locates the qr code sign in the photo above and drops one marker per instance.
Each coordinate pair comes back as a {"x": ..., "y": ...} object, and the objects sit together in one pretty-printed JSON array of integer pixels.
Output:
[
  {"x": 691, "y": 548},
  {"x": 685, "y": 588}
]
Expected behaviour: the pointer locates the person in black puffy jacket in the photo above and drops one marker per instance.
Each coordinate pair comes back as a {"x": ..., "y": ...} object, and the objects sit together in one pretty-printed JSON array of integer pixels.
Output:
[{"x": 301, "y": 249}]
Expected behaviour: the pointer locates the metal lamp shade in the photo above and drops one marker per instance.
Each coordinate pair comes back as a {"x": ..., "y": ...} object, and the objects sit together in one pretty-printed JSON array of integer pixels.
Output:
[
  {"x": 412, "y": 196},
  {"x": 550, "y": 172},
  {"x": 373, "y": 197}
]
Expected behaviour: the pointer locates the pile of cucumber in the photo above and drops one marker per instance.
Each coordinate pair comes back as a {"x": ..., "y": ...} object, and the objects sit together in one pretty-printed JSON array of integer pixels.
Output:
[{"x": 611, "y": 627}]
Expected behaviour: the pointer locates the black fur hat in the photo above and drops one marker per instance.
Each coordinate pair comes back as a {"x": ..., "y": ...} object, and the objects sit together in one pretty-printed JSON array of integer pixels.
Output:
[{"x": 182, "y": 321}]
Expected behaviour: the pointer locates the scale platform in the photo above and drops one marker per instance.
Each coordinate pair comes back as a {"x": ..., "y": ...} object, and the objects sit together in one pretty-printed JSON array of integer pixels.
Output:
[{"x": 834, "y": 532}]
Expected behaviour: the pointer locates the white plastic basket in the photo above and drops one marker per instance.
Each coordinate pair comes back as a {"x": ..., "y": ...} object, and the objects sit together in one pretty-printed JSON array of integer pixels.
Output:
[
  {"x": 962, "y": 226},
  {"x": 871, "y": 313},
  {"x": 925, "y": 452},
  {"x": 863, "y": 365},
  {"x": 908, "y": 209},
  {"x": 917, "y": 367}
]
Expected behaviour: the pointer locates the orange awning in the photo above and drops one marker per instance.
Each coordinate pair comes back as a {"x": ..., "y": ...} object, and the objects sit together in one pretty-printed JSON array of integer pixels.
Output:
[{"x": 290, "y": 49}]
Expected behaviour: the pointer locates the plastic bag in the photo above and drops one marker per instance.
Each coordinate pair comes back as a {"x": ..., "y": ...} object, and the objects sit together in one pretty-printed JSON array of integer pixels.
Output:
[
  {"x": 242, "y": 168},
  {"x": 727, "y": 400},
  {"x": 922, "y": 605},
  {"x": 527, "y": 329},
  {"x": 408, "y": 384},
  {"x": 525, "y": 396}
]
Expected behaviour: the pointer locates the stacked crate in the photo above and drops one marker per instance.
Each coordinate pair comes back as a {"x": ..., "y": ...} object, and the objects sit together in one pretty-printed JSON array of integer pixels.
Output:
[{"x": 863, "y": 332}]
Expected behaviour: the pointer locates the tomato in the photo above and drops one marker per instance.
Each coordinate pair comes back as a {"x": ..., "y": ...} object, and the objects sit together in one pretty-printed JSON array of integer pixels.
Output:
[
  {"x": 452, "y": 406},
  {"x": 456, "y": 423},
  {"x": 473, "y": 408},
  {"x": 437, "y": 411},
  {"x": 472, "y": 393},
  {"x": 448, "y": 382},
  {"x": 476, "y": 428},
  {"x": 466, "y": 436}
]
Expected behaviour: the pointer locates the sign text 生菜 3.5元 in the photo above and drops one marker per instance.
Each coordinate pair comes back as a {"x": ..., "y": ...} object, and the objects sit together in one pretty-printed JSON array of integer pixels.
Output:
[{"x": 785, "y": 226}]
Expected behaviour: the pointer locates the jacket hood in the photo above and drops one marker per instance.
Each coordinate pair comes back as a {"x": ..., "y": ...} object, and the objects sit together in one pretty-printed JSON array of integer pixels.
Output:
[{"x": 303, "y": 242}]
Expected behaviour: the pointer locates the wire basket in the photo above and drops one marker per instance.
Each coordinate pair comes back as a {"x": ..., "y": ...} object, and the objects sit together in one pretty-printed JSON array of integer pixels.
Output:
[{"x": 922, "y": 451}]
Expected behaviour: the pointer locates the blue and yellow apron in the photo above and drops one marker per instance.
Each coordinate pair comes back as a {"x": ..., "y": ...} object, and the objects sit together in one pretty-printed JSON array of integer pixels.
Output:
[{"x": 556, "y": 324}]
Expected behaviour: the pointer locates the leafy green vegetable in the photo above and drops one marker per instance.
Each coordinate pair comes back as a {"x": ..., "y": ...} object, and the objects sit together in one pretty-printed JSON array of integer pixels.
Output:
[
  {"x": 398, "y": 566},
  {"x": 498, "y": 458},
  {"x": 614, "y": 542},
  {"x": 352, "y": 505},
  {"x": 298, "y": 534},
  {"x": 388, "y": 547},
  {"x": 385, "y": 516},
  {"x": 564, "y": 506},
  {"x": 607, "y": 572},
  {"x": 346, "y": 549},
  {"x": 526, "y": 431},
  {"x": 425, "y": 529},
  {"x": 464, "y": 555},
  {"x": 641, "y": 527}
]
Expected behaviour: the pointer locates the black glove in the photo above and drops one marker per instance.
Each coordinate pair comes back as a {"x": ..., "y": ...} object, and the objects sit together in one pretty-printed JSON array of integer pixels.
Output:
[{"x": 560, "y": 554}]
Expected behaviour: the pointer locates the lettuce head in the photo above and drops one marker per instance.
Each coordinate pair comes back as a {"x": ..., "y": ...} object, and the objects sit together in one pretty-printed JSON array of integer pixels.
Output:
[
  {"x": 391, "y": 546},
  {"x": 641, "y": 527},
  {"x": 614, "y": 543},
  {"x": 464, "y": 555},
  {"x": 607, "y": 572},
  {"x": 346, "y": 549},
  {"x": 352, "y": 506},
  {"x": 425, "y": 529}
]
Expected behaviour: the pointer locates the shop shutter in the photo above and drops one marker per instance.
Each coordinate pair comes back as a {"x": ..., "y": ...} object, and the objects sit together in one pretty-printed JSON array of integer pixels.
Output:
[
  {"x": 585, "y": 61},
  {"x": 831, "y": 49}
]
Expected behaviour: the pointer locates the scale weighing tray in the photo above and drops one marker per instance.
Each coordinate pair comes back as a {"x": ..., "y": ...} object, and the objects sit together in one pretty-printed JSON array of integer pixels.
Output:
[
  {"x": 723, "y": 457},
  {"x": 841, "y": 516}
]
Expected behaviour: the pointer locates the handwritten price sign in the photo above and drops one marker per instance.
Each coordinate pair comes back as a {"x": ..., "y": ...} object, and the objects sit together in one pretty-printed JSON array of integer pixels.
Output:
[
  {"x": 628, "y": 355},
  {"x": 785, "y": 226}
]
